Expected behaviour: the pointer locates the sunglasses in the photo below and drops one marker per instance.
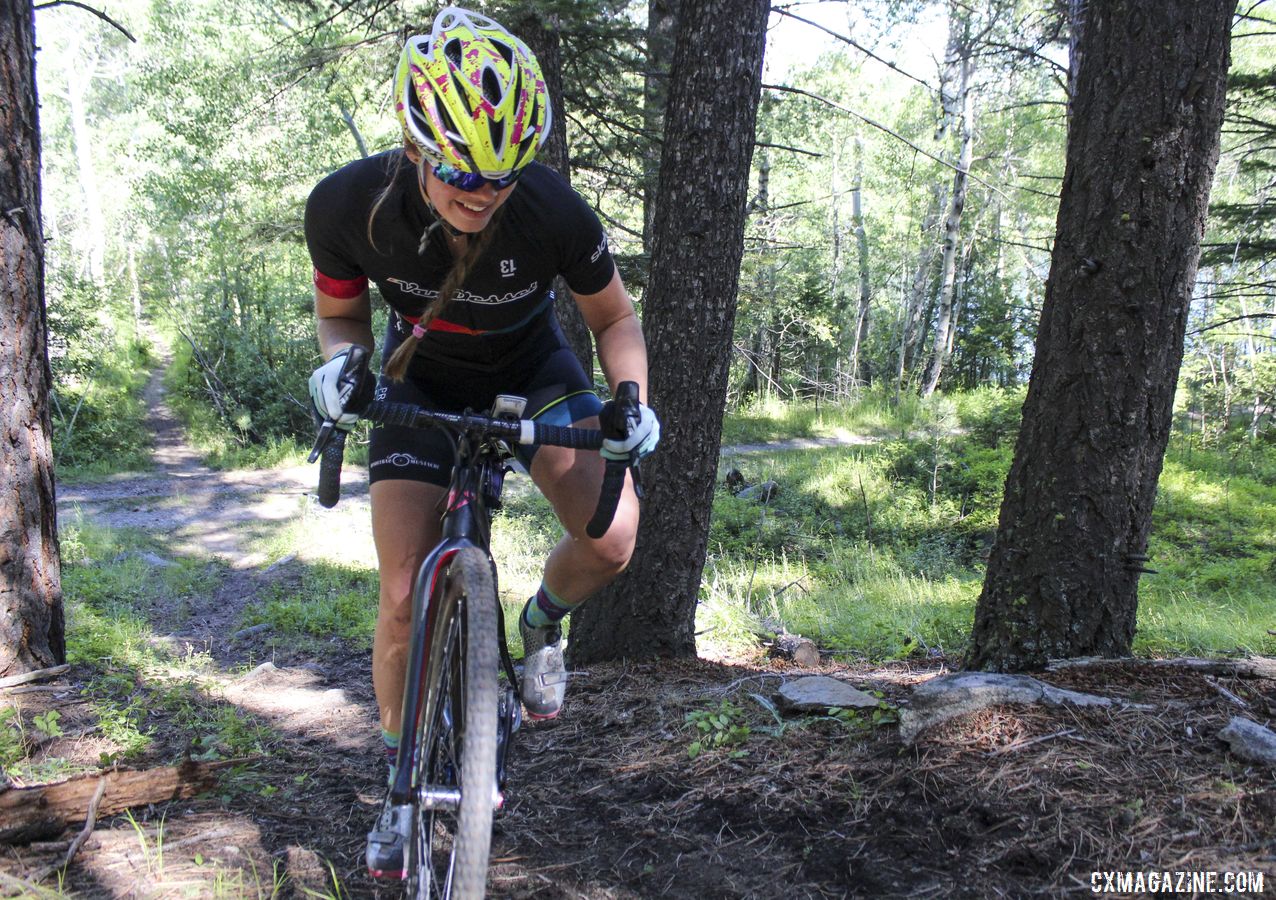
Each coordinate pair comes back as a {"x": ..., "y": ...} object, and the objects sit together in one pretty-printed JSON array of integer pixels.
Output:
[{"x": 472, "y": 181}]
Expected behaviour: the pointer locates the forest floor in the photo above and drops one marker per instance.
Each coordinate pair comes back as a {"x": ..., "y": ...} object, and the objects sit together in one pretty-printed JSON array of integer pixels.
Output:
[{"x": 607, "y": 802}]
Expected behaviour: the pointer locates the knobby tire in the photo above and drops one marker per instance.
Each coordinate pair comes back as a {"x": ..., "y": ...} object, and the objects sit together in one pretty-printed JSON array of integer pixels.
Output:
[{"x": 449, "y": 851}]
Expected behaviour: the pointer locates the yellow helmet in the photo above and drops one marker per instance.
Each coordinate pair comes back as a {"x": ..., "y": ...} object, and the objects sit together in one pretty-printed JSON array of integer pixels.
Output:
[{"x": 471, "y": 96}]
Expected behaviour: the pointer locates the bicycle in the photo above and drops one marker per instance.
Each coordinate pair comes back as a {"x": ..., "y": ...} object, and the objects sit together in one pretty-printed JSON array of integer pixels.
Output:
[{"x": 459, "y": 717}]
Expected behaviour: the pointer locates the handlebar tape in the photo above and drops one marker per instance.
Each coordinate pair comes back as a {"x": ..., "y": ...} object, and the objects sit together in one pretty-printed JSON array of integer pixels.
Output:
[
  {"x": 616, "y": 426},
  {"x": 330, "y": 470},
  {"x": 565, "y": 436},
  {"x": 608, "y": 498}
]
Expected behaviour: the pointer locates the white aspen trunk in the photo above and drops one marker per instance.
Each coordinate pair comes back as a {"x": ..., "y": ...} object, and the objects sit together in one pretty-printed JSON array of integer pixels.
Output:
[
  {"x": 77, "y": 85},
  {"x": 915, "y": 298},
  {"x": 861, "y": 241},
  {"x": 946, "y": 325}
]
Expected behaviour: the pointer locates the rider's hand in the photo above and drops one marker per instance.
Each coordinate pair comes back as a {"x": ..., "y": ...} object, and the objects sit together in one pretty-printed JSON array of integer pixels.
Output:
[
  {"x": 644, "y": 435},
  {"x": 336, "y": 399}
]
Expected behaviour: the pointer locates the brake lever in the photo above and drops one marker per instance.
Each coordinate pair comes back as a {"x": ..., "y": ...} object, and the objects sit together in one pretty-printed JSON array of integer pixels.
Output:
[
  {"x": 322, "y": 439},
  {"x": 637, "y": 473}
]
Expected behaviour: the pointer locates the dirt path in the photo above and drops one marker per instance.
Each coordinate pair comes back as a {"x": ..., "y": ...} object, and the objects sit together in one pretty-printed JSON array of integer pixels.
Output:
[
  {"x": 607, "y": 801},
  {"x": 203, "y": 510}
]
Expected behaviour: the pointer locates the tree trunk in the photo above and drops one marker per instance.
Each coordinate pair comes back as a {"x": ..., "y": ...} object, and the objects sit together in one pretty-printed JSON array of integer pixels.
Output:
[
  {"x": 1063, "y": 575},
  {"x": 698, "y": 244},
  {"x": 945, "y": 326},
  {"x": 915, "y": 301},
  {"x": 859, "y": 363},
  {"x": 662, "y": 25},
  {"x": 32, "y": 632},
  {"x": 1076, "y": 24},
  {"x": 79, "y": 79},
  {"x": 539, "y": 30}
]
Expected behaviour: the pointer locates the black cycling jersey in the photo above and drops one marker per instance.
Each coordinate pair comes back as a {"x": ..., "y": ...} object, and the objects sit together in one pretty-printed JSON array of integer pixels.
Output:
[{"x": 504, "y": 310}]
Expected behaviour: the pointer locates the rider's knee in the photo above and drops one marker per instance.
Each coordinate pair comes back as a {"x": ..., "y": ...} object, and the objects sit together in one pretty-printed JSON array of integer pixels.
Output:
[{"x": 615, "y": 548}]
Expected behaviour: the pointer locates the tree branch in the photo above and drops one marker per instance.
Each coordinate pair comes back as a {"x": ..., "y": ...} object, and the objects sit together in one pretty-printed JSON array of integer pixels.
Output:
[
  {"x": 869, "y": 53},
  {"x": 1258, "y": 315},
  {"x": 894, "y": 134},
  {"x": 790, "y": 149},
  {"x": 97, "y": 12}
]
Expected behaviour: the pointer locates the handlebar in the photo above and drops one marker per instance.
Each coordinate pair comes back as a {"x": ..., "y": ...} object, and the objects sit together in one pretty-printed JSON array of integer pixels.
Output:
[{"x": 329, "y": 445}]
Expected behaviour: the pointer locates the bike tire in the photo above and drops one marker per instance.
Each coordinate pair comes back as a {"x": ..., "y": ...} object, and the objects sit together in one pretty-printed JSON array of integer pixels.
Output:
[{"x": 457, "y": 739}]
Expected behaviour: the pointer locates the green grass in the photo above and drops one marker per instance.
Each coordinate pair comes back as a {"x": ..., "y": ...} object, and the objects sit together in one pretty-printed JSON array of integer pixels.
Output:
[
  {"x": 877, "y": 551},
  {"x": 331, "y": 601},
  {"x": 99, "y": 419},
  {"x": 136, "y": 682},
  {"x": 769, "y": 419},
  {"x": 1214, "y": 550}
]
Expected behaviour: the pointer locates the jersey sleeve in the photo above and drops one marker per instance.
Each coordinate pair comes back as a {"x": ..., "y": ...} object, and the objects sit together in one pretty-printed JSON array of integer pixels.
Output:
[
  {"x": 328, "y": 225},
  {"x": 586, "y": 261}
]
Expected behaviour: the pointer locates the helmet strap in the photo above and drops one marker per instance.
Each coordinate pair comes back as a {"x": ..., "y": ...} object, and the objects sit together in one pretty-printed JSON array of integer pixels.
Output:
[{"x": 439, "y": 224}]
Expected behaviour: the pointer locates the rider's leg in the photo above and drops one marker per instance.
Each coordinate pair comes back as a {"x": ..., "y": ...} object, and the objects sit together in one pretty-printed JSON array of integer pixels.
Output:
[
  {"x": 579, "y": 565},
  {"x": 405, "y": 528}
]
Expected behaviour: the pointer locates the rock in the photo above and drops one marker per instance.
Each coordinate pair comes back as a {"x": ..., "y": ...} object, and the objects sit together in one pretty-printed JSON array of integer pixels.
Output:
[
  {"x": 949, "y": 696},
  {"x": 1250, "y": 741},
  {"x": 262, "y": 672},
  {"x": 817, "y": 693},
  {"x": 765, "y": 492}
]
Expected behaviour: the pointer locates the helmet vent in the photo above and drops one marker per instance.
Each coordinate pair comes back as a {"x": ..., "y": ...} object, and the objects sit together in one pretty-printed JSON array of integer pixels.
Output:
[
  {"x": 452, "y": 50},
  {"x": 448, "y": 125},
  {"x": 497, "y": 130},
  {"x": 491, "y": 87},
  {"x": 506, "y": 51},
  {"x": 462, "y": 95}
]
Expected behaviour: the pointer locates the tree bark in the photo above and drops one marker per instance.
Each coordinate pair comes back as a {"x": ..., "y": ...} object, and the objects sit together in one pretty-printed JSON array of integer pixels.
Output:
[
  {"x": 689, "y": 315},
  {"x": 1063, "y": 575},
  {"x": 32, "y": 632},
  {"x": 662, "y": 23},
  {"x": 540, "y": 32}
]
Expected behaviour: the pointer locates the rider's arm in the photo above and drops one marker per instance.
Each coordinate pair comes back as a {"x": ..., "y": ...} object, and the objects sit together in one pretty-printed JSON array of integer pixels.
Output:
[
  {"x": 342, "y": 321},
  {"x": 610, "y": 315}
]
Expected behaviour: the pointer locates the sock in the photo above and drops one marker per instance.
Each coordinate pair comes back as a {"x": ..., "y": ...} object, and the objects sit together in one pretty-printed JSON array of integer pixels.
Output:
[
  {"x": 545, "y": 609},
  {"x": 391, "y": 752}
]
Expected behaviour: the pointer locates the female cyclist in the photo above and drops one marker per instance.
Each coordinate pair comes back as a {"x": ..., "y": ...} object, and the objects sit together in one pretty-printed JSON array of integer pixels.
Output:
[{"x": 463, "y": 235}]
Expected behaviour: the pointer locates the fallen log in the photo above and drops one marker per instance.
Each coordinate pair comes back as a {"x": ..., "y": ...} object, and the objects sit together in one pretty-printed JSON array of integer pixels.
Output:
[
  {"x": 89, "y": 822},
  {"x": 45, "y": 810},
  {"x": 37, "y": 675},
  {"x": 1243, "y": 667},
  {"x": 797, "y": 648}
]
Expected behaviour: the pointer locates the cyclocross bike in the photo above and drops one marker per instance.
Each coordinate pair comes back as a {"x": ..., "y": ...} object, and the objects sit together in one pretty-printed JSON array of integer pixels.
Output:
[{"x": 459, "y": 715}]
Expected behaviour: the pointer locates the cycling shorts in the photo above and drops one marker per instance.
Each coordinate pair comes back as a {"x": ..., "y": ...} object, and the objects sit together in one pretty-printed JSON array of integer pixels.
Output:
[{"x": 557, "y": 392}]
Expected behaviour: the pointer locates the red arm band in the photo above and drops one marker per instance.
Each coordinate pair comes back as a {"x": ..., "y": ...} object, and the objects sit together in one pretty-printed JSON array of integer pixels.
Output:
[{"x": 341, "y": 288}]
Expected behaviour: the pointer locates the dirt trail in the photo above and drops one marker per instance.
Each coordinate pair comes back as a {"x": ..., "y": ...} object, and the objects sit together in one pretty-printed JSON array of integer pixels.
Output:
[
  {"x": 607, "y": 801},
  {"x": 201, "y": 509}
]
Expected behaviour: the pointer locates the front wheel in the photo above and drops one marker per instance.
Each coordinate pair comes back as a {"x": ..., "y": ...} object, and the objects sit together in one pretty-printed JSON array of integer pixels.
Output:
[{"x": 455, "y": 780}]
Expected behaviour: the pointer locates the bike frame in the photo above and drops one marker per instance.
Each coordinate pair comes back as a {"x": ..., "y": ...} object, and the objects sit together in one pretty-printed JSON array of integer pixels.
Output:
[{"x": 478, "y": 472}]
